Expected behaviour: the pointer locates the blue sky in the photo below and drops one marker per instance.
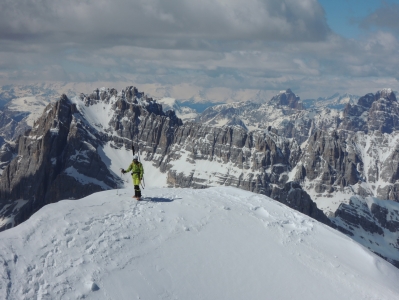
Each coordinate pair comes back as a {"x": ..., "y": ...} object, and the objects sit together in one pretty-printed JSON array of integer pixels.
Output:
[
  {"x": 209, "y": 49},
  {"x": 342, "y": 14}
]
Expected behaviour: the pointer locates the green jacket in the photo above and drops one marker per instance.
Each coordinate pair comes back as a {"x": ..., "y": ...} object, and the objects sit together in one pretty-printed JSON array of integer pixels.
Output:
[{"x": 137, "y": 169}]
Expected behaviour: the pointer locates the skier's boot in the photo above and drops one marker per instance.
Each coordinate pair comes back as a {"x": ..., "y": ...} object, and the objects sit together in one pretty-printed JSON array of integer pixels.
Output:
[{"x": 137, "y": 192}]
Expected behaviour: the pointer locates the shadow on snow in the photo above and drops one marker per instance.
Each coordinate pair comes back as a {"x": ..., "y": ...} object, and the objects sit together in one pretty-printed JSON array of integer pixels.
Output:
[{"x": 157, "y": 199}]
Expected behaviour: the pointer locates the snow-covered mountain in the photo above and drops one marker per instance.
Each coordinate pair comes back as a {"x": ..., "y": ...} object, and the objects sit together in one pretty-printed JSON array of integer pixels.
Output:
[
  {"x": 73, "y": 143},
  {"x": 78, "y": 146},
  {"x": 183, "y": 112},
  {"x": 216, "y": 243},
  {"x": 285, "y": 113},
  {"x": 335, "y": 101}
]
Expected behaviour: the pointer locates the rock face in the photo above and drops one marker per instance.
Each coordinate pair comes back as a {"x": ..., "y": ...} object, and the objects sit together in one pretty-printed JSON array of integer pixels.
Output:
[
  {"x": 50, "y": 154},
  {"x": 373, "y": 112},
  {"x": 328, "y": 162},
  {"x": 253, "y": 161},
  {"x": 295, "y": 197},
  {"x": 365, "y": 218},
  {"x": 289, "y": 99},
  {"x": 365, "y": 163}
]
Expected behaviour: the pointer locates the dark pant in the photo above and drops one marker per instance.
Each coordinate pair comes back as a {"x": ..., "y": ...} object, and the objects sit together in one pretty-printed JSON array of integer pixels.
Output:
[{"x": 137, "y": 191}]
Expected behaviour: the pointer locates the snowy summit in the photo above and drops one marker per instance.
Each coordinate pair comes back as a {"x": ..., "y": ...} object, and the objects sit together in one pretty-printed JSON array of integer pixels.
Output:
[{"x": 216, "y": 243}]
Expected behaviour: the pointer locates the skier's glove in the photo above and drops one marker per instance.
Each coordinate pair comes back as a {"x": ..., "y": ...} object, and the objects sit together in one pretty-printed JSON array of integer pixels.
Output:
[{"x": 123, "y": 171}]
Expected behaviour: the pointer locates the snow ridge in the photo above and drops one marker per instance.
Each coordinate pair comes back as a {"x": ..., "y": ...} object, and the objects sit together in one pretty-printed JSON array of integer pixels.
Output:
[{"x": 218, "y": 243}]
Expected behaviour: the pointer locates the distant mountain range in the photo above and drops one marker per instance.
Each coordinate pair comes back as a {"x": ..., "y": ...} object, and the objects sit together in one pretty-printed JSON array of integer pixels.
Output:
[
  {"x": 339, "y": 166},
  {"x": 335, "y": 101}
]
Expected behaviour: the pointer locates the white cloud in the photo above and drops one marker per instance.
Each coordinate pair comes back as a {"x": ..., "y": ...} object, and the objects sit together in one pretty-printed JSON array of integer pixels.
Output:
[
  {"x": 209, "y": 44},
  {"x": 131, "y": 19},
  {"x": 385, "y": 17}
]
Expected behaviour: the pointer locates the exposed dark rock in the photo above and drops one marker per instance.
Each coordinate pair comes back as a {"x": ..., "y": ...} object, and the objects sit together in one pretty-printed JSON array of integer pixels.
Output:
[
  {"x": 356, "y": 214},
  {"x": 387, "y": 219},
  {"x": 328, "y": 163},
  {"x": 373, "y": 112},
  {"x": 364, "y": 222},
  {"x": 287, "y": 99},
  {"x": 263, "y": 151},
  {"x": 46, "y": 154},
  {"x": 293, "y": 196}
]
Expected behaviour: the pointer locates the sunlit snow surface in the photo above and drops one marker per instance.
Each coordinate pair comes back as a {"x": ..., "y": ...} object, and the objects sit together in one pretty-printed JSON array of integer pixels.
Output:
[
  {"x": 30, "y": 105},
  {"x": 216, "y": 243}
]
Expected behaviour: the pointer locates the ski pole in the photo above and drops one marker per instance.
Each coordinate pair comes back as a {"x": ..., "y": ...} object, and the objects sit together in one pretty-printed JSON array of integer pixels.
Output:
[{"x": 117, "y": 191}]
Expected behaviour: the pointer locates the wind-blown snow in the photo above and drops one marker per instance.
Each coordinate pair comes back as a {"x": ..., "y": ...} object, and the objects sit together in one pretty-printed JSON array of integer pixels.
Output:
[{"x": 216, "y": 243}]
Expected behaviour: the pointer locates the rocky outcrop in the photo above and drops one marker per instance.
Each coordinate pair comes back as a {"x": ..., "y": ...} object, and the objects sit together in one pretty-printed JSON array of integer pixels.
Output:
[
  {"x": 365, "y": 218},
  {"x": 51, "y": 163},
  {"x": 292, "y": 195},
  {"x": 289, "y": 99},
  {"x": 366, "y": 163},
  {"x": 373, "y": 112},
  {"x": 328, "y": 162},
  {"x": 252, "y": 161}
]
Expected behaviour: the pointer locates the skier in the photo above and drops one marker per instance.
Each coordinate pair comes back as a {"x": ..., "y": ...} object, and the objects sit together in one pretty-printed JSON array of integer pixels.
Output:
[{"x": 137, "y": 170}]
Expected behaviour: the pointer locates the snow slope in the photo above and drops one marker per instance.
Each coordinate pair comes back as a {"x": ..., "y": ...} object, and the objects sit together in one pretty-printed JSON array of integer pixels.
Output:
[{"x": 216, "y": 243}]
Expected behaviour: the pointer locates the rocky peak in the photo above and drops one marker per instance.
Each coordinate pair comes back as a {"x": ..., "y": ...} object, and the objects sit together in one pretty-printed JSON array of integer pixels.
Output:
[
  {"x": 368, "y": 100},
  {"x": 57, "y": 159},
  {"x": 365, "y": 101},
  {"x": 287, "y": 98},
  {"x": 128, "y": 98},
  {"x": 387, "y": 94},
  {"x": 378, "y": 111}
]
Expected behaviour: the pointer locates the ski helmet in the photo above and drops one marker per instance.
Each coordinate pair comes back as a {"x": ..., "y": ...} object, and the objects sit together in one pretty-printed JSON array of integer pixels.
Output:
[{"x": 135, "y": 157}]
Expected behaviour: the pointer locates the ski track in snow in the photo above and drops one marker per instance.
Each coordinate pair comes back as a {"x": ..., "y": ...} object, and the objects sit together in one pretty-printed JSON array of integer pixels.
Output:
[{"x": 218, "y": 243}]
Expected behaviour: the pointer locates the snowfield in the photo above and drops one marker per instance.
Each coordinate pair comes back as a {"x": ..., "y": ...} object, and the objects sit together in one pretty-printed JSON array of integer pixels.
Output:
[
  {"x": 32, "y": 106},
  {"x": 216, "y": 243}
]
